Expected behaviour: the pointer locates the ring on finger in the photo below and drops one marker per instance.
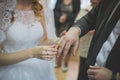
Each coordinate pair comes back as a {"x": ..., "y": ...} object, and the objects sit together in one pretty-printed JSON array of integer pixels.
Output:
[{"x": 48, "y": 52}]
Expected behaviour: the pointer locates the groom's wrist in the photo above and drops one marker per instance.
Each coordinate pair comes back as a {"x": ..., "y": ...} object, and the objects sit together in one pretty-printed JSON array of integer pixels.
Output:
[{"x": 75, "y": 30}]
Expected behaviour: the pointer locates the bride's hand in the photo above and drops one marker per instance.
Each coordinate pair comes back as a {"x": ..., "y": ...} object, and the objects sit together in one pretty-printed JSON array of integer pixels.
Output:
[{"x": 44, "y": 52}]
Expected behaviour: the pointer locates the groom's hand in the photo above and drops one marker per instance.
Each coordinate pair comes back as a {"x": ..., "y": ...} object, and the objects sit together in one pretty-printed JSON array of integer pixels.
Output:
[
  {"x": 99, "y": 73},
  {"x": 69, "y": 40}
]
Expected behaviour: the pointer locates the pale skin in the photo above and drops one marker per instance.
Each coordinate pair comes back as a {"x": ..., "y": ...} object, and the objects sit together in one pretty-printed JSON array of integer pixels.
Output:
[
  {"x": 62, "y": 18},
  {"x": 40, "y": 52},
  {"x": 71, "y": 38}
]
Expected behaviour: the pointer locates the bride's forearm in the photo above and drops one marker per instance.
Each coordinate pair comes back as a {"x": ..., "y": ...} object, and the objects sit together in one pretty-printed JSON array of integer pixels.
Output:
[{"x": 12, "y": 58}]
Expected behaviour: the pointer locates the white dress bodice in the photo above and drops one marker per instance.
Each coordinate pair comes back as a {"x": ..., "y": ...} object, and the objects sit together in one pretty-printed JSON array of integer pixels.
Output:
[{"x": 25, "y": 32}]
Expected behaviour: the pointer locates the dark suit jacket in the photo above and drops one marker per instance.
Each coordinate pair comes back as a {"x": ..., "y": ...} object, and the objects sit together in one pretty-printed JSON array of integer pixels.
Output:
[
  {"x": 70, "y": 16},
  {"x": 97, "y": 19}
]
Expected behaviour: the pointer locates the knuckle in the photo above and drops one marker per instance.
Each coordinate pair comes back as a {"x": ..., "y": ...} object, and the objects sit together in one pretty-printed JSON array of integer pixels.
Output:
[{"x": 66, "y": 48}]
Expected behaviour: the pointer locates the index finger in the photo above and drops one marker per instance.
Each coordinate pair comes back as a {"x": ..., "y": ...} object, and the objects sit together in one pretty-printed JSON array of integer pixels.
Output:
[
  {"x": 66, "y": 49},
  {"x": 61, "y": 46}
]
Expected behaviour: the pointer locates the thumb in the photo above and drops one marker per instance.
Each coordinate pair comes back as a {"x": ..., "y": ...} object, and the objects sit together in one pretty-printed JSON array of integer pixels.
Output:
[{"x": 94, "y": 67}]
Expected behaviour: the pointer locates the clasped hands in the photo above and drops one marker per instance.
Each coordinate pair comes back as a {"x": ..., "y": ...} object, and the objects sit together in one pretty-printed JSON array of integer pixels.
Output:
[
  {"x": 61, "y": 46},
  {"x": 47, "y": 52}
]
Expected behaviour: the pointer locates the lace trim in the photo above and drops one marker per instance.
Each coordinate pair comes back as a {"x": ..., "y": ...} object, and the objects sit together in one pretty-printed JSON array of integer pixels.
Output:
[
  {"x": 6, "y": 9},
  {"x": 26, "y": 17}
]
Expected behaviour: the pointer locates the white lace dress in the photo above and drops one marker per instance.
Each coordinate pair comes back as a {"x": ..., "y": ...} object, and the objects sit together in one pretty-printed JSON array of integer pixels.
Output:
[{"x": 24, "y": 33}]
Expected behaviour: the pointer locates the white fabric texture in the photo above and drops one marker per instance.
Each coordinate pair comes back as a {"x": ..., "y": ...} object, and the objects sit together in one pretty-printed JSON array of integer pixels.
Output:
[
  {"x": 49, "y": 18},
  {"x": 53, "y": 2},
  {"x": 25, "y": 32},
  {"x": 6, "y": 8}
]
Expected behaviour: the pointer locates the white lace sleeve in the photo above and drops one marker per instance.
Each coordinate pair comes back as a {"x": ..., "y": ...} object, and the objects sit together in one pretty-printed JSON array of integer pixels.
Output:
[
  {"x": 6, "y": 8},
  {"x": 49, "y": 18},
  {"x": 2, "y": 36}
]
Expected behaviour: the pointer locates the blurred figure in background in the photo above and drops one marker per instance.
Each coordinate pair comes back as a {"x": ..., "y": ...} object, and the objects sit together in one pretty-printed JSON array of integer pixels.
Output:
[
  {"x": 53, "y": 2},
  {"x": 84, "y": 3},
  {"x": 65, "y": 13}
]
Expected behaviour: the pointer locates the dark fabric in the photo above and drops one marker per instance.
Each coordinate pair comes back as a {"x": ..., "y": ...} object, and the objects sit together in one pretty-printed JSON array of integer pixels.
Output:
[
  {"x": 103, "y": 36},
  {"x": 70, "y": 16},
  {"x": 82, "y": 67},
  {"x": 98, "y": 19}
]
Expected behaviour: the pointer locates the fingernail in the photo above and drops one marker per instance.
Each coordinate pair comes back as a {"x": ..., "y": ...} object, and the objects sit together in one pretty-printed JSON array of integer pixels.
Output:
[{"x": 90, "y": 66}]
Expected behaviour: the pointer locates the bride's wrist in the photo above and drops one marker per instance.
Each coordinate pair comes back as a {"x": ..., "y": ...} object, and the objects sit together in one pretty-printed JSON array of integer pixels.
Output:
[
  {"x": 32, "y": 52},
  {"x": 36, "y": 51}
]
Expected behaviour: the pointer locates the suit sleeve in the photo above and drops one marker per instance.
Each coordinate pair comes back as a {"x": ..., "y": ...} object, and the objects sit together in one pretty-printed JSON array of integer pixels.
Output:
[{"x": 87, "y": 22}]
